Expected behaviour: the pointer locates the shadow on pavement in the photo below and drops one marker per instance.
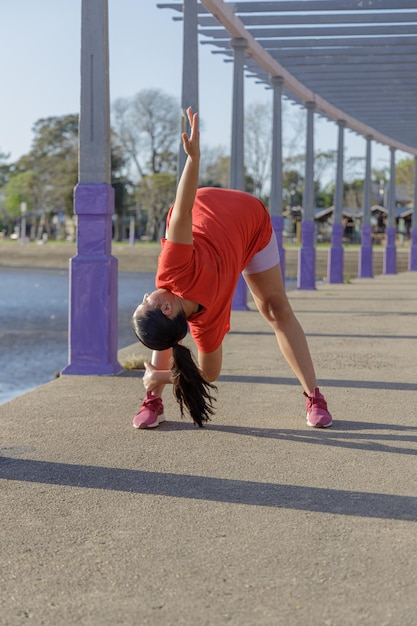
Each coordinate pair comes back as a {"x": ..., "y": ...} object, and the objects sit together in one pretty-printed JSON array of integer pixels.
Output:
[{"x": 334, "y": 501}]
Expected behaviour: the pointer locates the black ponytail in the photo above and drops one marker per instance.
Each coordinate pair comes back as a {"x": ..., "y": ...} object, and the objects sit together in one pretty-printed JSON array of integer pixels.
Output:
[
  {"x": 190, "y": 388},
  {"x": 159, "y": 332}
]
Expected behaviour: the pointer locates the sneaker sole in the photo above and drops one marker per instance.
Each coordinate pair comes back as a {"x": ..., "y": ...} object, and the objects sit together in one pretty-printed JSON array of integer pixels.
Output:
[
  {"x": 319, "y": 425},
  {"x": 161, "y": 418}
]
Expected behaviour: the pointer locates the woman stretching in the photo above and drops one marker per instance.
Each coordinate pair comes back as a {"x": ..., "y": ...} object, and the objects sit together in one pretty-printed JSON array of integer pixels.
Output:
[{"x": 212, "y": 236}]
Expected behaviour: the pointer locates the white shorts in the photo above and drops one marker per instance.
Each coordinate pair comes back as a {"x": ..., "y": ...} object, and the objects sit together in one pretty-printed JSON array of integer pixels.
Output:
[{"x": 264, "y": 259}]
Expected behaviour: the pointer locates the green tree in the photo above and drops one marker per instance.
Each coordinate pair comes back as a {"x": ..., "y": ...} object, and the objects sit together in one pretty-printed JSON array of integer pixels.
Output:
[
  {"x": 155, "y": 195},
  {"x": 258, "y": 146},
  {"x": 123, "y": 198},
  {"x": 215, "y": 168},
  {"x": 292, "y": 188},
  {"x": 4, "y": 168},
  {"x": 147, "y": 126},
  {"x": 4, "y": 177},
  {"x": 18, "y": 190},
  {"x": 404, "y": 172},
  {"x": 404, "y": 178},
  {"x": 46, "y": 176}
]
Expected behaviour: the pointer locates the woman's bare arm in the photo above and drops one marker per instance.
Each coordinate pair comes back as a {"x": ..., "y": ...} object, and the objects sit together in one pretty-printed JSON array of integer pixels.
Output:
[
  {"x": 180, "y": 226},
  {"x": 210, "y": 364}
]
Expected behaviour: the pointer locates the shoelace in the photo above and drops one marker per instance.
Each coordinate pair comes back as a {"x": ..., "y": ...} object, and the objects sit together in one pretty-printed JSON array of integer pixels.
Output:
[
  {"x": 317, "y": 401},
  {"x": 153, "y": 403}
]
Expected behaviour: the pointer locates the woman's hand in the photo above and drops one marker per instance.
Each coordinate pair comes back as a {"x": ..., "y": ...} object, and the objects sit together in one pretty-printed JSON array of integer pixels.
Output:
[
  {"x": 149, "y": 381},
  {"x": 191, "y": 142},
  {"x": 153, "y": 377}
]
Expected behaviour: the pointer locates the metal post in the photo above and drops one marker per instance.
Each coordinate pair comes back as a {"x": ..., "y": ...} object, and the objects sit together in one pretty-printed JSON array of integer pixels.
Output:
[
  {"x": 132, "y": 230},
  {"x": 239, "y": 46},
  {"x": 189, "y": 92},
  {"x": 365, "y": 254},
  {"x": 335, "y": 259},
  {"x": 23, "y": 209},
  {"x": 93, "y": 271},
  {"x": 390, "y": 251},
  {"x": 276, "y": 167},
  {"x": 412, "y": 258},
  {"x": 306, "y": 278}
]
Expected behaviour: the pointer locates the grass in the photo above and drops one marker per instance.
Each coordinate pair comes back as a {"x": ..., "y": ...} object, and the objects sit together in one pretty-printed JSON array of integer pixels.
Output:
[{"x": 133, "y": 362}]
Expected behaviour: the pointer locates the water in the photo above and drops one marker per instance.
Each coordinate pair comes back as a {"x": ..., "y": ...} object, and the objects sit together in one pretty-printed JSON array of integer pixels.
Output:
[{"x": 34, "y": 324}]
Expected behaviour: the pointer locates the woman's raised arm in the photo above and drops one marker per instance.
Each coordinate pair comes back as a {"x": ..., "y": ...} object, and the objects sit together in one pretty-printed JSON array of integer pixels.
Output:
[{"x": 180, "y": 226}]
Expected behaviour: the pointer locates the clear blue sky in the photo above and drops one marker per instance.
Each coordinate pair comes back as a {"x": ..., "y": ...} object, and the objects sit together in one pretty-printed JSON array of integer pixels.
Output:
[{"x": 40, "y": 57}]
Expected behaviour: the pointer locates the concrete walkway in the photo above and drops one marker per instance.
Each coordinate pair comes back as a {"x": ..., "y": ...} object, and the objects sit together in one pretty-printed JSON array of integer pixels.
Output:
[{"x": 255, "y": 520}]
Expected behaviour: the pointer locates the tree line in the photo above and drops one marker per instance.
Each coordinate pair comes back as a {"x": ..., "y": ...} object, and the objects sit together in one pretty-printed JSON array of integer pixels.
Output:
[{"x": 144, "y": 159}]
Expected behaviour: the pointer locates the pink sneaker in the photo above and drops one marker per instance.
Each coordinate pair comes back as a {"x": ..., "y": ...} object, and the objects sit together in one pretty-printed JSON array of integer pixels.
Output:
[
  {"x": 317, "y": 414},
  {"x": 151, "y": 413}
]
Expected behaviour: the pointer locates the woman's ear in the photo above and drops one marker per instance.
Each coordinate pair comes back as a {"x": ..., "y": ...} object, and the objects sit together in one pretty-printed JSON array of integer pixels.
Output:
[{"x": 167, "y": 308}]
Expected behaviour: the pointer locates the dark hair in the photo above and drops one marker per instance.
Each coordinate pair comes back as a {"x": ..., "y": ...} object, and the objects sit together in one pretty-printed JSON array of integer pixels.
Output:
[{"x": 159, "y": 332}]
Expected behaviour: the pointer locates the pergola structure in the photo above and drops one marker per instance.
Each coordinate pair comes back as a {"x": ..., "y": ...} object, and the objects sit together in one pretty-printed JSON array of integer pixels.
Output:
[
  {"x": 352, "y": 61},
  {"x": 349, "y": 60},
  {"x": 355, "y": 59}
]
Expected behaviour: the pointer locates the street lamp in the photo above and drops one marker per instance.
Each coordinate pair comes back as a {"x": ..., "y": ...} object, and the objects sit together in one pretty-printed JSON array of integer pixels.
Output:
[
  {"x": 381, "y": 192},
  {"x": 23, "y": 208}
]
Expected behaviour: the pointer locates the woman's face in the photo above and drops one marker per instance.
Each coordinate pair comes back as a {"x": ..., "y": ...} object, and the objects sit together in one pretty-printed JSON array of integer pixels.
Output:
[
  {"x": 160, "y": 299},
  {"x": 150, "y": 301}
]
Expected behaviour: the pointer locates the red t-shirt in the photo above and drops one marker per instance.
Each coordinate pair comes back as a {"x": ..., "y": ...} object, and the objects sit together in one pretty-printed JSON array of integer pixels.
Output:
[{"x": 229, "y": 228}]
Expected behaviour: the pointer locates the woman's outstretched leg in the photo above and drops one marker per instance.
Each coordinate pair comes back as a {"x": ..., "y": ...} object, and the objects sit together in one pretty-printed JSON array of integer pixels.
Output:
[{"x": 269, "y": 295}]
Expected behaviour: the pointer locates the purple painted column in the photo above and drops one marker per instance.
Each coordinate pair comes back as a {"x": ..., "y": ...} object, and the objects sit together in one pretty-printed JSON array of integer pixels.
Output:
[
  {"x": 365, "y": 269},
  {"x": 335, "y": 258},
  {"x": 412, "y": 257},
  {"x": 306, "y": 277},
  {"x": 93, "y": 271},
  {"x": 275, "y": 202},
  {"x": 365, "y": 253},
  {"x": 390, "y": 251},
  {"x": 189, "y": 89},
  {"x": 239, "y": 46},
  {"x": 278, "y": 228},
  {"x": 93, "y": 285}
]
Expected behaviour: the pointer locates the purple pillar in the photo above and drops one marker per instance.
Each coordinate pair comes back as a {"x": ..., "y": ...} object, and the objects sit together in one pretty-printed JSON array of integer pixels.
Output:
[
  {"x": 93, "y": 285},
  {"x": 365, "y": 253},
  {"x": 240, "y": 297},
  {"x": 93, "y": 271},
  {"x": 390, "y": 252},
  {"x": 306, "y": 278},
  {"x": 239, "y": 45},
  {"x": 335, "y": 258},
  {"x": 278, "y": 228},
  {"x": 412, "y": 258}
]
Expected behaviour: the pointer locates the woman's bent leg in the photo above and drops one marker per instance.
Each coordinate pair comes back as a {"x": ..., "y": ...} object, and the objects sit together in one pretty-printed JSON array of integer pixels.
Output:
[
  {"x": 151, "y": 413},
  {"x": 160, "y": 360},
  {"x": 269, "y": 294}
]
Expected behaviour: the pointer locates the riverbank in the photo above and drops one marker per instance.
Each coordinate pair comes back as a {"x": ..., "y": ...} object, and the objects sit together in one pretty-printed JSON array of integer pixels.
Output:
[{"x": 143, "y": 257}]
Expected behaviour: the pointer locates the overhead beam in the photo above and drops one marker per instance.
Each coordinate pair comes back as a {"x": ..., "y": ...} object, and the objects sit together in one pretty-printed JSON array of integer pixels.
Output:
[
  {"x": 235, "y": 28},
  {"x": 321, "y": 5},
  {"x": 318, "y": 42},
  {"x": 292, "y": 6},
  {"x": 355, "y": 32},
  {"x": 208, "y": 21}
]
